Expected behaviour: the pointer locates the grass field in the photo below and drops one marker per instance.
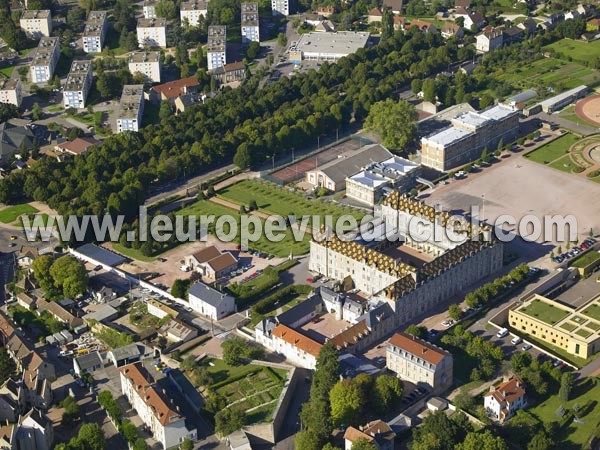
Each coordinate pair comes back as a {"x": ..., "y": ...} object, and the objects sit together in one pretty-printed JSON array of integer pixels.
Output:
[
  {"x": 279, "y": 249},
  {"x": 255, "y": 389},
  {"x": 568, "y": 113},
  {"x": 574, "y": 435},
  {"x": 275, "y": 200},
  {"x": 544, "y": 312},
  {"x": 586, "y": 259},
  {"x": 593, "y": 311},
  {"x": 131, "y": 253},
  {"x": 546, "y": 154},
  {"x": 12, "y": 213},
  {"x": 579, "y": 51}
]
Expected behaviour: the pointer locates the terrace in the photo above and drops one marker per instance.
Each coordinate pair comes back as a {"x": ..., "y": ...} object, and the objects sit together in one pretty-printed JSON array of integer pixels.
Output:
[{"x": 544, "y": 311}]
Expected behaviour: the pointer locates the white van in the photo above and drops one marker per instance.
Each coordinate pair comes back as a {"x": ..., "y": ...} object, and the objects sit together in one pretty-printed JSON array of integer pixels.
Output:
[
  {"x": 516, "y": 340},
  {"x": 503, "y": 332}
]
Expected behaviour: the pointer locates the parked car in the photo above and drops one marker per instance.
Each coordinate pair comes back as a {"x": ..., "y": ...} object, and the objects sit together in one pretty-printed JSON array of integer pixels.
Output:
[{"x": 526, "y": 347}]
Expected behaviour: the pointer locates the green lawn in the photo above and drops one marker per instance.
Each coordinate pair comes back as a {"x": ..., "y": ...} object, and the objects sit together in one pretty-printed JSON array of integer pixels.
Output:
[
  {"x": 544, "y": 311},
  {"x": 131, "y": 253},
  {"x": 586, "y": 259},
  {"x": 574, "y": 435},
  {"x": 579, "y": 51},
  {"x": 10, "y": 214},
  {"x": 280, "y": 249},
  {"x": 7, "y": 71},
  {"x": 592, "y": 311},
  {"x": 288, "y": 303},
  {"x": 568, "y": 326},
  {"x": 553, "y": 150}
]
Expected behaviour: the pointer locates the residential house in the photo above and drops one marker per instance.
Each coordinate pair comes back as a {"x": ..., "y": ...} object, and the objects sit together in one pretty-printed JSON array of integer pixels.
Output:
[
  {"x": 36, "y": 23},
  {"x": 130, "y": 353},
  {"x": 12, "y": 401},
  {"x": 504, "y": 400},
  {"x": 60, "y": 313},
  {"x": 183, "y": 102},
  {"x": 177, "y": 331},
  {"x": 230, "y": 73},
  {"x": 146, "y": 63},
  {"x": 173, "y": 89},
  {"x": 375, "y": 15},
  {"x": 419, "y": 362},
  {"x": 77, "y": 146},
  {"x": 399, "y": 23},
  {"x": 489, "y": 40},
  {"x": 88, "y": 363},
  {"x": 190, "y": 12},
  {"x": 78, "y": 84},
  {"x": 376, "y": 432},
  {"x": 11, "y": 92},
  {"x": 25, "y": 300},
  {"x": 425, "y": 27},
  {"x": 154, "y": 407},
  {"x": 512, "y": 35},
  {"x": 395, "y": 5},
  {"x": 12, "y": 139},
  {"x": 35, "y": 431},
  {"x": 104, "y": 294},
  {"x": 452, "y": 29},
  {"x": 44, "y": 60},
  {"x": 212, "y": 263},
  {"x": 470, "y": 17},
  {"x": 8, "y": 436},
  {"x": 295, "y": 346},
  {"x": 27, "y": 254},
  {"x": 528, "y": 26},
  {"x": 210, "y": 302},
  {"x": 152, "y": 32}
]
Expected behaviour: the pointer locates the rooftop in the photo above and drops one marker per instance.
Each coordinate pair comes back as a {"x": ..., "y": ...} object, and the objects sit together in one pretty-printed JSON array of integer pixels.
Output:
[
  {"x": 448, "y": 136},
  {"x": 338, "y": 43},
  {"x": 151, "y": 23},
  {"x": 44, "y": 51},
  {"x": 379, "y": 173},
  {"x": 418, "y": 347},
  {"x": 131, "y": 100},
  {"x": 129, "y": 351},
  {"x": 8, "y": 84},
  {"x": 77, "y": 76},
  {"x": 217, "y": 38},
  {"x": 177, "y": 329},
  {"x": 562, "y": 96},
  {"x": 194, "y": 5},
  {"x": 249, "y": 14},
  {"x": 507, "y": 391},
  {"x": 78, "y": 145},
  {"x": 208, "y": 294},
  {"x": 35, "y": 14},
  {"x": 144, "y": 57},
  {"x": 88, "y": 361},
  {"x": 176, "y": 88},
  {"x": 297, "y": 339},
  {"x": 95, "y": 22}
]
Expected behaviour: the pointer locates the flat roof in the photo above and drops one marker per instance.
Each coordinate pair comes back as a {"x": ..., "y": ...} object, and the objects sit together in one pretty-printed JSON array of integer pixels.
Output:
[
  {"x": 131, "y": 98},
  {"x": 194, "y": 5},
  {"x": 95, "y": 23},
  {"x": 217, "y": 38},
  {"x": 472, "y": 119},
  {"x": 448, "y": 135},
  {"x": 249, "y": 14},
  {"x": 35, "y": 14},
  {"x": 151, "y": 23},
  {"x": 369, "y": 179},
  {"x": 144, "y": 57},
  {"x": 562, "y": 96},
  {"x": 44, "y": 51},
  {"x": 76, "y": 78},
  {"x": 101, "y": 254},
  {"x": 8, "y": 84},
  {"x": 338, "y": 43},
  {"x": 498, "y": 111}
]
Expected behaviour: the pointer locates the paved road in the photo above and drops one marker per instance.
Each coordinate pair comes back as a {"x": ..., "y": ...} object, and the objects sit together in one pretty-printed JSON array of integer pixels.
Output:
[
  {"x": 291, "y": 423},
  {"x": 560, "y": 121}
]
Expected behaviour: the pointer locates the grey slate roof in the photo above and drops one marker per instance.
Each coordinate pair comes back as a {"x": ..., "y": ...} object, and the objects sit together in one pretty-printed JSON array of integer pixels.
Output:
[
  {"x": 101, "y": 254},
  {"x": 208, "y": 294},
  {"x": 376, "y": 315},
  {"x": 129, "y": 351},
  {"x": 11, "y": 139},
  {"x": 302, "y": 309},
  {"x": 266, "y": 325},
  {"x": 340, "y": 168},
  {"x": 88, "y": 361}
]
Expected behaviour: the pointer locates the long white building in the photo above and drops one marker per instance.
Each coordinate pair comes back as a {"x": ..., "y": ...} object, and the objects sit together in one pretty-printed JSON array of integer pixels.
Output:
[
  {"x": 10, "y": 91},
  {"x": 250, "y": 23},
  {"x": 152, "y": 32},
  {"x": 191, "y": 11},
  {"x": 44, "y": 60},
  {"x": 36, "y": 23},
  {"x": 146, "y": 63},
  {"x": 216, "y": 47},
  {"x": 78, "y": 84},
  {"x": 153, "y": 406},
  {"x": 95, "y": 31},
  {"x": 131, "y": 108}
]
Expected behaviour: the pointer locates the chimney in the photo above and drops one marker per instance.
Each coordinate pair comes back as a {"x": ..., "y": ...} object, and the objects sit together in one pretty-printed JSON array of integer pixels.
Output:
[{"x": 424, "y": 350}]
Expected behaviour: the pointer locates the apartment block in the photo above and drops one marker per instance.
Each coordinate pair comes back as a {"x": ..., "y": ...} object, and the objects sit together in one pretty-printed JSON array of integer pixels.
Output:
[
  {"x": 216, "y": 47},
  {"x": 250, "y": 25},
  {"x": 280, "y": 7},
  {"x": 419, "y": 362},
  {"x": 149, "y": 9},
  {"x": 469, "y": 133},
  {"x": 146, "y": 63},
  {"x": 154, "y": 407},
  {"x": 95, "y": 31},
  {"x": 152, "y": 32},
  {"x": 191, "y": 11},
  {"x": 131, "y": 108},
  {"x": 10, "y": 92},
  {"x": 78, "y": 84},
  {"x": 44, "y": 60},
  {"x": 36, "y": 23}
]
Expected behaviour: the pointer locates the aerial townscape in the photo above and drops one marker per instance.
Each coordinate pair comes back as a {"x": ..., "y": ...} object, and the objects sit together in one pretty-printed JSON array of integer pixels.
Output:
[{"x": 283, "y": 224}]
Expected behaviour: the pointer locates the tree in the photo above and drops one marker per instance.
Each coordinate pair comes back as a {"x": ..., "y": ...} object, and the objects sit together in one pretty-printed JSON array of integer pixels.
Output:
[
  {"x": 429, "y": 90},
  {"x": 520, "y": 360},
  {"x": 305, "y": 440},
  {"x": 129, "y": 431},
  {"x": 387, "y": 25},
  {"x": 165, "y": 110},
  {"x": 455, "y": 312},
  {"x": 362, "y": 444},
  {"x": 140, "y": 444},
  {"x": 347, "y": 403},
  {"x": 482, "y": 441},
  {"x": 388, "y": 392},
  {"x": 187, "y": 444},
  {"x": 253, "y": 50},
  {"x": 394, "y": 122},
  {"x": 243, "y": 156},
  {"x": 166, "y": 9},
  {"x": 540, "y": 442},
  {"x": 36, "y": 111},
  {"x": 234, "y": 350},
  {"x": 71, "y": 410},
  {"x": 229, "y": 420},
  {"x": 69, "y": 276},
  {"x": 180, "y": 288},
  {"x": 485, "y": 101},
  {"x": 417, "y": 330},
  {"x": 282, "y": 39},
  {"x": 416, "y": 85},
  {"x": 90, "y": 436},
  {"x": 566, "y": 385}
]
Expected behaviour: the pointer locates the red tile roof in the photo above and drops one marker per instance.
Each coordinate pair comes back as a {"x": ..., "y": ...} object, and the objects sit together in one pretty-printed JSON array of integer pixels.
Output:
[
  {"x": 508, "y": 391},
  {"x": 206, "y": 254},
  {"x": 350, "y": 336},
  {"x": 418, "y": 347},
  {"x": 78, "y": 145},
  {"x": 298, "y": 340},
  {"x": 176, "y": 88}
]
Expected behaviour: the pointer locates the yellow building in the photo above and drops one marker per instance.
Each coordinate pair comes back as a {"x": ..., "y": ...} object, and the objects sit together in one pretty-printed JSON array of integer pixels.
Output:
[{"x": 574, "y": 330}]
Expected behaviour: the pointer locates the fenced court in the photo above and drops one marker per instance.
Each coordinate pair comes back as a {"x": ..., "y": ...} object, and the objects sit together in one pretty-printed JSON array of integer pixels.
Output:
[
  {"x": 588, "y": 109},
  {"x": 296, "y": 170}
]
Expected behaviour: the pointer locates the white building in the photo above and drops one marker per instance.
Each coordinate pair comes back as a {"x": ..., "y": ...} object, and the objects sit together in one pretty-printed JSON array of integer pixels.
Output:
[
  {"x": 44, "y": 60},
  {"x": 250, "y": 25},
  {"x": 160, "y": 310},
  {"x": 131, "y": 108},
  {"x": 35, "y": 431},
  {"x": 191, "y": 11},
  {"x": 297, "y": 348},
  {"x": 95, "y": 31},
  {"x": 216, "y": 47},
  {"x": 328, "y": 46},
  {"x": 210, "y": 302},
  {"x": 146, "y": 63},
  {"x": 152, "y": 32},
  {"x": 489, "y": 40},
  {"x": 280, "y": 7},
  {"x": 149, "y": 9},
  {"x": 153, "y": 406},
  {"x": 503, "y": 401},
  {"x": 36, "y": 23},
  {"x": 78, "y": 84},
  {"x": 10, "y": 91}
]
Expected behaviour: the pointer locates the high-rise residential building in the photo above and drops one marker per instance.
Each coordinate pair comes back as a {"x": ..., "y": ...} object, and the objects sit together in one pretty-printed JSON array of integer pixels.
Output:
[
  {"x": 146, "y": 63},
  {"x": 192, "y": 10},
  {"x": 78, "y": 84},
  {"x": 216, "y": 47},
  {"x": 36, "y": 23},
  {"x": 44, "y": 60},
  {"x": 10, "y": 91},
  {"x": 95, "y": 31},
  {"x": 152, "y": 32},
  {"x": 131, "y": 108},
  {"x": 250, "y": 25}
]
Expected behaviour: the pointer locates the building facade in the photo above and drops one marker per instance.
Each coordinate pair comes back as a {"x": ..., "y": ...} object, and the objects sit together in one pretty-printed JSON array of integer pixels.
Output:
[
  {"x": 146, "y": 63},
  {"x": 230, "y": 73},
  {"x": 10, "y": 91},
  {"x": 191, "y": 12},
  {"x": 149, "y": 9},
  {"x": 420, "y": 362},
  {"x": 95, "y": 31},
  {"x": 469, "y": 134},
  {"x": 489, "y": 40},
  {"x": 78, "y": 84},
  {"x": 131, "y": 108},
  {"x": 36, "y": 23},
  {"x": 216, "y": 47},
  {"x": 250, "y": 23},
  {"x": 44, "y": 60},
  {"x": 280, "y": 7},
  {"x": 504, "y": 400},
  {"x": 152, "y": 32},
  {"x": 210, "y": 302}
]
